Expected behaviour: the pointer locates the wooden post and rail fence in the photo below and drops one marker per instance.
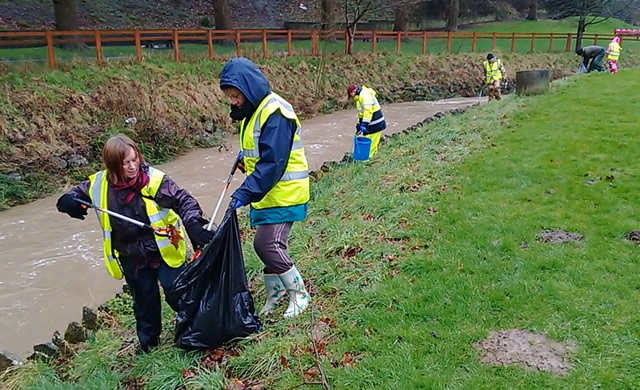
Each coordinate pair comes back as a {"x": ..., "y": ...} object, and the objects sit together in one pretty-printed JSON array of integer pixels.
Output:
[{"x": 307, "y": 42}]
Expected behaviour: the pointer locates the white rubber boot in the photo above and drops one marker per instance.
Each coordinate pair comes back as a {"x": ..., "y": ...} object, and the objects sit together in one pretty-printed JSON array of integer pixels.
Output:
[
  {"x": 275, "y": 290},
  {"x": 299, "y": 299}
]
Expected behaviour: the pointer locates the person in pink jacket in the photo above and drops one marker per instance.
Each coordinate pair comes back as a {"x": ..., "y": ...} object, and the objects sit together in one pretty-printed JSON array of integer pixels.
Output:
[{"x": 613, "y": 54}]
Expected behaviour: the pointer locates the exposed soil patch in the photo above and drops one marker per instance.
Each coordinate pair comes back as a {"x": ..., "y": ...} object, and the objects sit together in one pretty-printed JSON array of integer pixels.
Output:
[
  {"x": 634, "y": 236},
  {"x": 559, "y": 236},
  {"x": 532, "y": 351}
]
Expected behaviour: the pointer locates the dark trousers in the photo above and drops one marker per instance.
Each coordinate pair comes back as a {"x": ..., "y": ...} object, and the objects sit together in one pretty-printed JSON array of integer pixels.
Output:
[
  {"x": 271, "y": 245},
  {"x": 146, "y": 298},
  {"x": 596, "y": 62}
]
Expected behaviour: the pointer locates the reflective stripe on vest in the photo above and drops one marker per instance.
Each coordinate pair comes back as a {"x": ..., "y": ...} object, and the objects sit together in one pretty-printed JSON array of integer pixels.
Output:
[
  {"x": 492, "y": 70},
  {"x": 158, "y": 217},
  {"x": 293, "y": 187}
]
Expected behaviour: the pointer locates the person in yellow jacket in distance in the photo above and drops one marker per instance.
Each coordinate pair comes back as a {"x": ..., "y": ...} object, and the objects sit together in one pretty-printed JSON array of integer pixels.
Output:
[{"x": 371, "y": 120}]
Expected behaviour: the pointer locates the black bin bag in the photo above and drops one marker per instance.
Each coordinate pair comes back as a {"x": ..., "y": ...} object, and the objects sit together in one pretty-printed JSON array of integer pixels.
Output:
[{"x": 212, "y": 296}]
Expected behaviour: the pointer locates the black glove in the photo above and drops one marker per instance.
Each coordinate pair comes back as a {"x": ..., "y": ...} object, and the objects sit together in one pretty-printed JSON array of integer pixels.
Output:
[
  {"x": 199, "y": 236},
  {"x": 67, "y": 205}
]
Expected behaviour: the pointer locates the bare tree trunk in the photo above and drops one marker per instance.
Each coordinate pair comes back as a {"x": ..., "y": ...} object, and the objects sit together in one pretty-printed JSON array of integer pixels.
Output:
[
  {"x": 327, "y": 14},
  {"x": 533, "y": 10},
  {"x": 454, "y": 11},
  {"x": 66, "y": 15},
  {"x": 67, "y": 20},
  {"x": 222, "y": 15},
  {"x": 580, "y": 34},
  {"x": 401, "y": 21}
]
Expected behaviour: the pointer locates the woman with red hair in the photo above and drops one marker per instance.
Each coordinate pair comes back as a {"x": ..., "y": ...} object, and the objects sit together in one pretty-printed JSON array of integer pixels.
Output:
[{"x": 139, "y": 191}]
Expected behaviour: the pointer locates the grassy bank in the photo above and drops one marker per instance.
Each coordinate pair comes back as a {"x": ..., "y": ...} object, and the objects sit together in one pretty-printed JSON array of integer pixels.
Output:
[
  {"x": 53, "y": 124},
  {"x": 430, "y": 247}
]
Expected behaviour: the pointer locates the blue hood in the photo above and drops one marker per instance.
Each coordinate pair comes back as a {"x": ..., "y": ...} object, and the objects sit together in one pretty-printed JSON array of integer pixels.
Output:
[{"x": 243, "y": 74}]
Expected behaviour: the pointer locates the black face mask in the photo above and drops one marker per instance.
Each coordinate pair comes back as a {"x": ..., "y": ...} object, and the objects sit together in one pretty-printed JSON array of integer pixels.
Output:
[{"x": 239, "y": 113}]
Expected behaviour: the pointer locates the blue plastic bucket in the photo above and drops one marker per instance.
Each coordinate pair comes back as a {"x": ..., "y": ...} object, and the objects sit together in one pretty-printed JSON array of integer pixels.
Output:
[{"x": 361, "y": 148}]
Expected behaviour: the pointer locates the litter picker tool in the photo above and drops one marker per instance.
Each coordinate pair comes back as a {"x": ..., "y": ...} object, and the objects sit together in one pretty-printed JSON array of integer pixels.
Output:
[
  {"x": 171, "y": 232},
  {"x": 236, "y": 163}
]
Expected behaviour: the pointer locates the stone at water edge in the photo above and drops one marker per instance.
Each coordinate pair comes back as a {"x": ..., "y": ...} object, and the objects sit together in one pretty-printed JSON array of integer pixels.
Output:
[
  {"x": 57, "y": 339},
  {"x": 7, "y": 360},
  {"x": 89, "y": 318},
  {"x": 75, "y": 333},
  {"x": 45, "y": 351}
]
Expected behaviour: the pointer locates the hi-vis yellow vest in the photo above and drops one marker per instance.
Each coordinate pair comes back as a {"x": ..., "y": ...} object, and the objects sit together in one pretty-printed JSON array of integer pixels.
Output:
[
  {"x": 614, "y": 51},
  {"x": 293, "y": 187},
  {"x": 158, "y": 217},
  {"x": 367, "y": 104},
  {"x": 492, "y": 70}
]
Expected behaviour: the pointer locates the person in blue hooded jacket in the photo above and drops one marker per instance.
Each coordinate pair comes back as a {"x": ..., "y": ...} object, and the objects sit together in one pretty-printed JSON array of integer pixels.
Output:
[{"x": 277, "y": 182}]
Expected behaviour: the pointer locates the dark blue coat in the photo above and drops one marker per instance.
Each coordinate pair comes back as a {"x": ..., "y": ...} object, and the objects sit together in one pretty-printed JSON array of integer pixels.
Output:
[{"x": 274, "y": 144}]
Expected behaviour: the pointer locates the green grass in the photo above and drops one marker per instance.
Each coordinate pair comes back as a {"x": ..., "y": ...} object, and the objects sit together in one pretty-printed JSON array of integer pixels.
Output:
[
  {"x": 193, "y": 51},
  {"x": 427, "y": 239},
  {"x": 568, "y": 25},
  {"x": 474, "y": 276}
]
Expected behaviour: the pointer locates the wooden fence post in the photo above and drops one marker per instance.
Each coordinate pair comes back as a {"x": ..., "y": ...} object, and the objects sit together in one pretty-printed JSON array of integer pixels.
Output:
[
  {"x": 176, "y": 45},
  {"x": 595, "y": 39},
  {"x": 136, "y": 35},
  {"x": 238, "y": 48},
  {"x": 289, "y": 43},
  {"x": 98, "y": 41},
  {"x": 533, "y": 43},
  {"x": 424, "y": 42},
  {"x": 347, "y": 42},
  {"x": 50, "y": 52},
  {"x": 398, "y": 41},
  {"x": 448, "y": 41},
  {"x": 374, "y": 41},
  {"x": 264, "y": 43},
  {"x": 210, "y": 43},
  {"x": 493, "y": 41},
  {"x": 550, "y": 42},
  {"x": 314, "y": 43},
  {"x": 569, "y": 37},
  {"x": 473, "y": 43},
  {"x": 513, "y": 42}
]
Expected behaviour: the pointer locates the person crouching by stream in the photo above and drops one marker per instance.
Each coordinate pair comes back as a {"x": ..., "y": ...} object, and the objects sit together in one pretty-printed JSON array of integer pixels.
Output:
[
  {"x": 134, "y": 189},
  {"x": 277, "y": 182}
]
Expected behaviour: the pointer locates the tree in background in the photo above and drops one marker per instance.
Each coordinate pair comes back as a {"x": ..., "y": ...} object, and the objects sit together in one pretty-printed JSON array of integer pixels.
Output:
[
  {"x": 356, "y": 10},
  {"x": 453, "y": 13},
  {"x": 222, "y": 16},
  {"x": 66, "y": 15},
  {"x": 327, "y": 14},
  {"x": 401, "y": 20},
  {"x": 533, "y": 10},
  {"x": 589, "y": 12}
]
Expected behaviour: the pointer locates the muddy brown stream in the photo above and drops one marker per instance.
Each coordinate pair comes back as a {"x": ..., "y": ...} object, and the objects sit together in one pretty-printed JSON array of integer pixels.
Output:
[{"x": 51, "y": 265}]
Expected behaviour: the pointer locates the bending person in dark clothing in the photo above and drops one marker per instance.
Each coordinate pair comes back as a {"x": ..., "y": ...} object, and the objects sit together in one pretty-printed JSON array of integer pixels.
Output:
[
  {"x": 592, "y": 57},
  {"x": 277, "y": 183},
  {"x": 132, "y": 188}
]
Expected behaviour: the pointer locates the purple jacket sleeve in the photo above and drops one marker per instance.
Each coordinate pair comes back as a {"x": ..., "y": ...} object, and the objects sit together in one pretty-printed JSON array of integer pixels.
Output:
[
  {"x": 81, "y": 191},
  {"x": 175, "y": 198}
]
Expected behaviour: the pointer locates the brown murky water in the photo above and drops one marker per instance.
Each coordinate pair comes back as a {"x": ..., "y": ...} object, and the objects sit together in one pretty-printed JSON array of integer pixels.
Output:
[{"x": 51, "y": 264}]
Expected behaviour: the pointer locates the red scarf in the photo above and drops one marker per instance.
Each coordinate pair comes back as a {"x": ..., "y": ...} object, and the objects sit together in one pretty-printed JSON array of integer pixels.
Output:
[{"x": 136, "y": 184}]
